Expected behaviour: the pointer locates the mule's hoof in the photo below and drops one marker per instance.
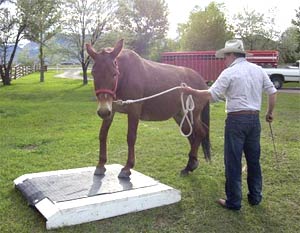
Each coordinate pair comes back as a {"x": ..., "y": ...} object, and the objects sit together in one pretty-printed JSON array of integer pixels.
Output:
[
  {"x": 124, "y": 174},
  {"x": 100, "y": 171},
  {"x": 194, "y": 165},
  {"x": 184, "y": 172}
]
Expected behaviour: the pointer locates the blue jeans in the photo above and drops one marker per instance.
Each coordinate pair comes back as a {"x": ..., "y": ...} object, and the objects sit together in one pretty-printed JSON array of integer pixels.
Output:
[{"x": 242, "y": 134}]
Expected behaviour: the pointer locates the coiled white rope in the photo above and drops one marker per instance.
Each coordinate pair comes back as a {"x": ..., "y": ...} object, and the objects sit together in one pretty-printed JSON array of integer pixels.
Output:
[{"x": 187, "y": 107}]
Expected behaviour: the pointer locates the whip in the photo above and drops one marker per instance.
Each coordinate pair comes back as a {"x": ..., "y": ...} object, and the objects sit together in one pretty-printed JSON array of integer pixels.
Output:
[{"x": 273, "y": 140}]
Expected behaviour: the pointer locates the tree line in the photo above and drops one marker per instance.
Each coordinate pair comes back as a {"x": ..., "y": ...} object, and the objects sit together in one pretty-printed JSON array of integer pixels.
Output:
[{"x": 142, "y": 23}]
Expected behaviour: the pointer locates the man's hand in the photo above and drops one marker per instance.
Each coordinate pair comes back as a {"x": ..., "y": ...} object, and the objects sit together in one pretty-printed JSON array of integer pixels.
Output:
[
  {"x": 188, "y": 90},
  {"x": 269, "y": 117},
  {"x": 271, "y": 105}
]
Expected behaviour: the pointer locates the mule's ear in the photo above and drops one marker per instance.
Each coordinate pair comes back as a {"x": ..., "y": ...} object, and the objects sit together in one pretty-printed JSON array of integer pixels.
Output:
[
  {"x": 91, "y": 51},
  {"x": 117, "y": 49}
]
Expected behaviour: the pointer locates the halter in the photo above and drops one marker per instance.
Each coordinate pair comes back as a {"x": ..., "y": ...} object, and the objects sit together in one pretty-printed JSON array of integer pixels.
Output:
[{"x": 108, "y": 91}]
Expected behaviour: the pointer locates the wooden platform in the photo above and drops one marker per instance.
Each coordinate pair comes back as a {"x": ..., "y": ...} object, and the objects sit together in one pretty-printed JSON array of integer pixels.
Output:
[{"x": 75, "y": 196}]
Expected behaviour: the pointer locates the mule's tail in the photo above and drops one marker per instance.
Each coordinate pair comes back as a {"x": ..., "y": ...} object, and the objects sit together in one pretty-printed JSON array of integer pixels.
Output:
[{"x": 206, "y": 142}]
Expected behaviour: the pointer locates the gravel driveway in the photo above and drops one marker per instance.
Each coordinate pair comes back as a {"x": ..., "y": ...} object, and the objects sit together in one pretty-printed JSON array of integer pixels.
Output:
[{"x": 73, "y": 74}]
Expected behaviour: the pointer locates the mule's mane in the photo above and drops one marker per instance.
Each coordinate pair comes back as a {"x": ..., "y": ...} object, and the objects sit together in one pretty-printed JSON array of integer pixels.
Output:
[{"x": 106, "y": 50}]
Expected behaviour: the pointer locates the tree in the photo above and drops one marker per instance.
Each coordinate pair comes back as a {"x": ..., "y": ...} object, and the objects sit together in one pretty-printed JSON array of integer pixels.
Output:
[
  {"x": 205, "y": 30},
  {"x": 256, "y": 30},
  {"x": 12, "y": 27},
  {"x": 163, "y": 45},
  {"x": 57, "y": 50},
  {"x": 86, "y": 21},
  {"x": 25, "y": 58},
  {"x": 42, "y": 23},
  {"x": 145, "y": 21},
  {"x": 289, "y": 45},
  {"x": 296, "y": 22}
]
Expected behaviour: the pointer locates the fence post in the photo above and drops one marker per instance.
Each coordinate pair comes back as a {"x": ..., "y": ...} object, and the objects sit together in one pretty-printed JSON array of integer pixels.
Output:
[
  {"x": 15, "y": 76},
  {"x": 22, "y": 70}
]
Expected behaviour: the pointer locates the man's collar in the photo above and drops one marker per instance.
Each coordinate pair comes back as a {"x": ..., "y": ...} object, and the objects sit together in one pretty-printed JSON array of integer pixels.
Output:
[{"x": 237, "y": 60}]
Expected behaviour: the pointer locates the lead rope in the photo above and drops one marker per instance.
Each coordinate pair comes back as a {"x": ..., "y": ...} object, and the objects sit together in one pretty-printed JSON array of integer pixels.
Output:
[{"x": 187, "y": 107}]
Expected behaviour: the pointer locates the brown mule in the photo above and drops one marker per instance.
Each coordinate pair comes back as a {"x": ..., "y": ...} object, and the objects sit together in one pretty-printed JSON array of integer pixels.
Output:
[{"x": 122, "y": 74}]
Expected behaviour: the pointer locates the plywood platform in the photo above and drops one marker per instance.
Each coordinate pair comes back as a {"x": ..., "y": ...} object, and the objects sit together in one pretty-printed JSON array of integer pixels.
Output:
[{"x": 74, "y": 196}]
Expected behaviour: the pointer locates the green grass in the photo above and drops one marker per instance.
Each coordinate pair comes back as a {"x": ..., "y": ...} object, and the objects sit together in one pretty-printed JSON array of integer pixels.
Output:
[
  {"x": 53, "y": 125},
  {"x": 291, "y": 85}
]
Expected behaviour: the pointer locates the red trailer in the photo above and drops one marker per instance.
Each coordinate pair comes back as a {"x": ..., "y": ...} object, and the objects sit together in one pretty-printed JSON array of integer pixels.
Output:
[{"x": 206, "y": 63}]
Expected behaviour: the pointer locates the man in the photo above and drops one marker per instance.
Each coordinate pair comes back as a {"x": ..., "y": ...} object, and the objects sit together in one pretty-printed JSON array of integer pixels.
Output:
[{"x": 241, "y": 84}]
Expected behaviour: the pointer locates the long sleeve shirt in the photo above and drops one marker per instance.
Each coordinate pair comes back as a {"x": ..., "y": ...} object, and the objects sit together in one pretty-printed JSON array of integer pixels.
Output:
[{"x": 241, "y": 85}]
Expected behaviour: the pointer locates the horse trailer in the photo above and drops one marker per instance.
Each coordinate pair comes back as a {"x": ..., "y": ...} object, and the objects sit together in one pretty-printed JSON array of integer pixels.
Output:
[{"x": 209, "y": 67}]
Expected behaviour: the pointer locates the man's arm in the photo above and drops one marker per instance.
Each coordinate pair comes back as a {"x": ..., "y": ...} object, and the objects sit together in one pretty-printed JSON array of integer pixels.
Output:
[
  {"x": 201, "y": 94},
  {"x": 271, "y": 105}
]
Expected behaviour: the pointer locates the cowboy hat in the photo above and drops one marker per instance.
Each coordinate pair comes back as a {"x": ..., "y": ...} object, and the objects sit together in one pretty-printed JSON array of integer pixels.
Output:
[{"x": 231, "y": 46}]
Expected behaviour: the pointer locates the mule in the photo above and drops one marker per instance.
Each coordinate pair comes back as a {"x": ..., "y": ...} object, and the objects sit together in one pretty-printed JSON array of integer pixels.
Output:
[{"x": 122, "y": 74}]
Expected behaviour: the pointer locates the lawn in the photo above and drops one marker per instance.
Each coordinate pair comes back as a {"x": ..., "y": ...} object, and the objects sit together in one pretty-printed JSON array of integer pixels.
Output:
[
  {"x": 291, "y": 85},
  {"x": 53, "y": 125}
]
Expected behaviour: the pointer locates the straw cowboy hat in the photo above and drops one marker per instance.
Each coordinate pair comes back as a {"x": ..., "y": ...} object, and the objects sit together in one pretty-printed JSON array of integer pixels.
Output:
[{"x": 231, "y": 46}]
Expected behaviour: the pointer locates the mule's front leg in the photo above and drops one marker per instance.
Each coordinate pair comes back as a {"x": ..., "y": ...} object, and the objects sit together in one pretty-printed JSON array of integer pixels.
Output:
[
  {"x": 100, "y": 169},
  {"x": 133, "y": 122}
]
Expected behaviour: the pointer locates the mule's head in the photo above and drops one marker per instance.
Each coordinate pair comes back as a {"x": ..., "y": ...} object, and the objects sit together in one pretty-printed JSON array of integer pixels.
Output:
[{"x": 105, "y": 73}]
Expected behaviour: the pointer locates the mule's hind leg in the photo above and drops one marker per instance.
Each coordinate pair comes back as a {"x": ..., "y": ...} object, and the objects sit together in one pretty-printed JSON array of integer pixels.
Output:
[
  {"x": 194, "y": 140},
  {"x": 193, "y": 162},
  {"x": 100, "y": 168}
]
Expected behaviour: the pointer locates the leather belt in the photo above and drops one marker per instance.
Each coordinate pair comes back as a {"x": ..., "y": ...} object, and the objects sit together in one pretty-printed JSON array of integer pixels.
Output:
[{"x": 245, "y": 112}]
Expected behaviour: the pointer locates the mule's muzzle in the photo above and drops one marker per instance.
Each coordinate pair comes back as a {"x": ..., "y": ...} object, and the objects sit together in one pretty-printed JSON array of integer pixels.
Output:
[
  {"x": 104, "y": 105},
  {"x": 104, "y": 113}
]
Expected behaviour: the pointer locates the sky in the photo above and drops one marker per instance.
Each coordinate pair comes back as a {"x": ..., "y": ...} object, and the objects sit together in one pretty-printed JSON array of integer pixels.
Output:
[{"x": 179, "y": 10}]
